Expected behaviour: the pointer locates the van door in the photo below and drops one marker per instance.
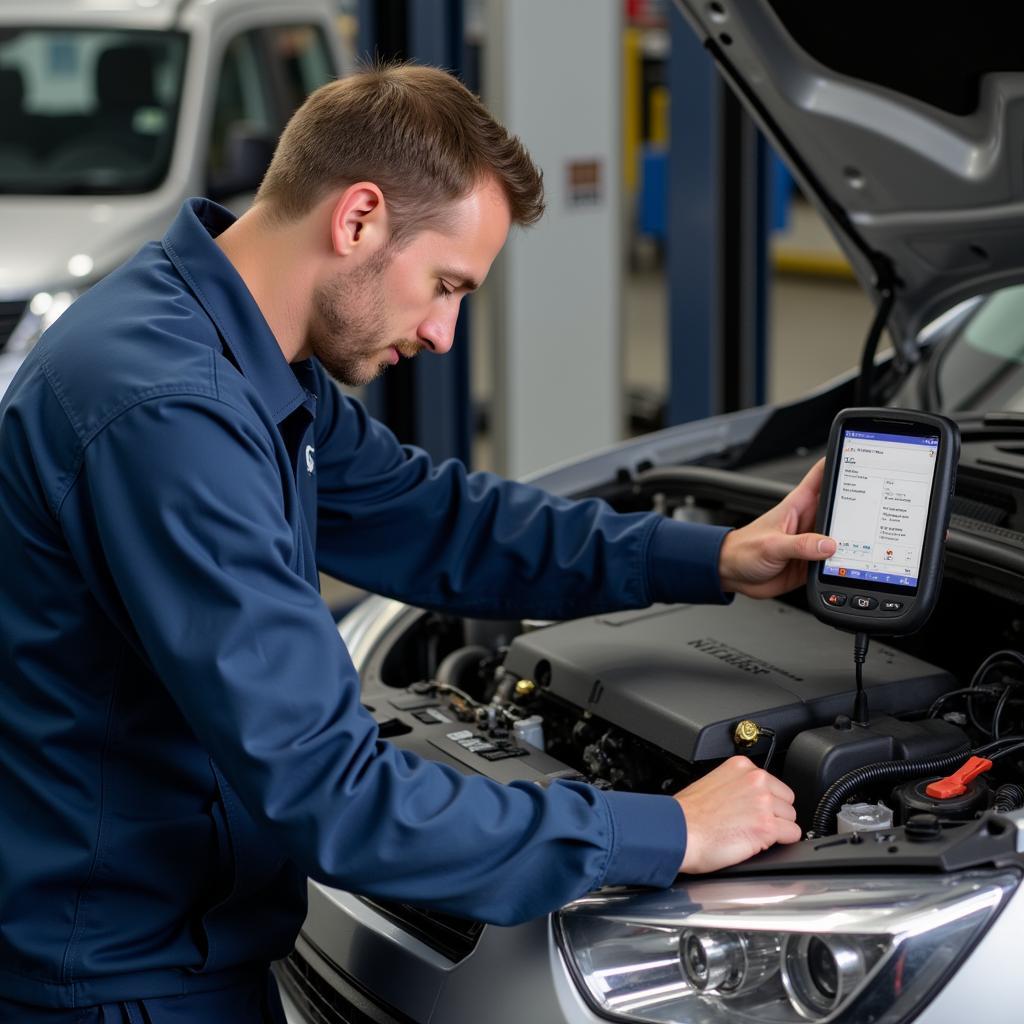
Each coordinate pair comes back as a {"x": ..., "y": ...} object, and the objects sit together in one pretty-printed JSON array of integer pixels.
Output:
[{"x": 265, "y": 76}]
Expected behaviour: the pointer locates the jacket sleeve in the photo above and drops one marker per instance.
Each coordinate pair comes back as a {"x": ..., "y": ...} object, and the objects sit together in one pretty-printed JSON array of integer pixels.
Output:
[
  {"x": 439, "y": 537},
  {"x": 184, "y": 498}
]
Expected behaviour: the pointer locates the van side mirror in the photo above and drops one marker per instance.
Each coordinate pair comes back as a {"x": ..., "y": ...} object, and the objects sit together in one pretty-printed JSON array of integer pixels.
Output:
[{"x": 248, "y": 152}]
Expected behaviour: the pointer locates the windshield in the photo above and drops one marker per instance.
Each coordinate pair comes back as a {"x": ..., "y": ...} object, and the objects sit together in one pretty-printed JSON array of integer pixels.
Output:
[
  {"x": 87, "y": 111},
  {"x": 981, "y": 368}
]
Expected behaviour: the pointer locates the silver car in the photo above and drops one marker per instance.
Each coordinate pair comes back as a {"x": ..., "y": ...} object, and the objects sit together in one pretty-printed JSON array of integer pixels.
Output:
[
  {"x": 113, "y": 114},
  {"x": 907, "y": 133}
]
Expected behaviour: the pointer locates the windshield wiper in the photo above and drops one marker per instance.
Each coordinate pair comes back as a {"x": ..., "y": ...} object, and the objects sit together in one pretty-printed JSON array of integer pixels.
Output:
[
  {"x": 77, "y": 188},
  {"x": 989, "y": 425}
]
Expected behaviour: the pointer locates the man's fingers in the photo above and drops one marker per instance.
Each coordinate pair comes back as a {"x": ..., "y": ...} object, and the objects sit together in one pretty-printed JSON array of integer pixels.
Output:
[
  {"x": 779, "y": 789},
  {"x": 739, "y": 765},
  {"x": 784, "y": 810},
  {"x": 808, "y": 547},
  {"x": 734, "y": 812},
  {"x": 788, "y": 832},
  {"x": 807, "y": 492},
  {"x": 813, "y": 478}
]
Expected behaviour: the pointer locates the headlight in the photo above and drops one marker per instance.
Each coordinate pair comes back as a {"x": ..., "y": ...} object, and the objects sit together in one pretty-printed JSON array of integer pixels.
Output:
[
  {"x": 41, "y": 312},
  {"x": 782, "y": 950}
]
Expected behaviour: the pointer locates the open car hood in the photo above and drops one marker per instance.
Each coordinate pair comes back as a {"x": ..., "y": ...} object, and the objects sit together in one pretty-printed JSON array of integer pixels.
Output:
[{"x": 904, "y": 125}]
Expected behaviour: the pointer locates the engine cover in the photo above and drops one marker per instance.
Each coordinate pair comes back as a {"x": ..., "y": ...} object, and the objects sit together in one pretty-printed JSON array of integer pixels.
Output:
[{"x": 682, "y": 676}]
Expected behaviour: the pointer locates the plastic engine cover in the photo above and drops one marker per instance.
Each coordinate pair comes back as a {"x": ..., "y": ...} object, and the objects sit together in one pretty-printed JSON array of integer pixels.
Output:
[{"x": 682, "y": 676}]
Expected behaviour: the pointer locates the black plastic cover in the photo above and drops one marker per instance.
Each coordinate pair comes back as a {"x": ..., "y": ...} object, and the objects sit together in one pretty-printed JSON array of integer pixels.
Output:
[
  {"x": 682, "y": 677},
  {"x": 819, "y": 757}
]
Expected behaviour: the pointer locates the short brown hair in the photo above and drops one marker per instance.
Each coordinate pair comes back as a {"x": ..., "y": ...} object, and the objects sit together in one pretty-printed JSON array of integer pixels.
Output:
[{"x": 414, "y": 131}]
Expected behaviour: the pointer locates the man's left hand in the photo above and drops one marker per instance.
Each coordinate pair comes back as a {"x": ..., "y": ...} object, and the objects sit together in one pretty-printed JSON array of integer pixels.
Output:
[{"x": 769, "y": 556}]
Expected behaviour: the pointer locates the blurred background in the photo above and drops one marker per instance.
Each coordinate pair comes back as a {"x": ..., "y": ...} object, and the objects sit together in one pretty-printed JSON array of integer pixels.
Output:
[{"x": 677, "y": 274}]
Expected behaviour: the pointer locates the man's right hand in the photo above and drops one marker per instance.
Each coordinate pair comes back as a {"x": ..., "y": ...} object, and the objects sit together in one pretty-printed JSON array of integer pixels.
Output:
[{"x": 734, "y": 812}]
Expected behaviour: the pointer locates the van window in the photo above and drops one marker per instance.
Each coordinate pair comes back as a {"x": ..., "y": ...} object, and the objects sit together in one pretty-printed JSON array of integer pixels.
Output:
[
  {"x": 301, "y": 53},
  {"x": 241, "y": 105},
  {"x": 87, "y": 111}
]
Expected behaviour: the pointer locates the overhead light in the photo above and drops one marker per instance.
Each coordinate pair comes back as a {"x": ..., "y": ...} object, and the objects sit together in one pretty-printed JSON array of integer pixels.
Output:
[{"x": 80, "y": 265}]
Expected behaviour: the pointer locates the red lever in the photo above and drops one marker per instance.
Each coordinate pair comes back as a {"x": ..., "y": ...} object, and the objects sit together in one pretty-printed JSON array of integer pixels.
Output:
[{"x": 956, "y": 784}]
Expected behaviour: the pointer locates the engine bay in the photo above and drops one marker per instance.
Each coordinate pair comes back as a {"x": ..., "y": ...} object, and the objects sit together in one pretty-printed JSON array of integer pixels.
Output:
[{"x": 650, "y": 700}]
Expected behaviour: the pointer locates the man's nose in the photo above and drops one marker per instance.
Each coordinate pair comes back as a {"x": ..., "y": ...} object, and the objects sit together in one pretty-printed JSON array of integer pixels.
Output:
[{"x": 438, "y": 332}]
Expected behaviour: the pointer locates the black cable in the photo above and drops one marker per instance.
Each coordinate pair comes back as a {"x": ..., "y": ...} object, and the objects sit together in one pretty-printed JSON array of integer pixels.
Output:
[
  {"x": 1002, "y": 753},
  {"x": 997, "y": 714},
  {"x": 899, "y": 771},
  {"x": 1007, "y": 654},
  {"x": 888, "y": 771},
  {"x": 860, "y": 701},
  {"x": 771, "y": 748},
  {"x": 823, "y": 822},
  {"x": 985, "y": 749},
  {"x": 943, "y": 697},
  {"x": 972, "y": 718}
]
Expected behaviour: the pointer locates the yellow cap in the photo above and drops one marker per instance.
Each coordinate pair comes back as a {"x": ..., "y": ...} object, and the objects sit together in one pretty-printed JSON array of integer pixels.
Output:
[{"x": 747, "y": 733}]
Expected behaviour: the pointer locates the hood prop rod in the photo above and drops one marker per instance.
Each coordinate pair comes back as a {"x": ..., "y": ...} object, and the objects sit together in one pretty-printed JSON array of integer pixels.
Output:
[{"x": 866, "y": 382}]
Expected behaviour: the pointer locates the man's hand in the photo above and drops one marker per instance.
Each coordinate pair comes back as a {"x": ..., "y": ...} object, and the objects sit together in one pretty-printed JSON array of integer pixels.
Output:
[
  {"x": 769, "y": 556},
  {"x": 734, "y": 812}
]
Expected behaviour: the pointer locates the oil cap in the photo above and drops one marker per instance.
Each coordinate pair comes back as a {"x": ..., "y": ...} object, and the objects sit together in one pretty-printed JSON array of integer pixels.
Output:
[{"x": 956, "y": 784}]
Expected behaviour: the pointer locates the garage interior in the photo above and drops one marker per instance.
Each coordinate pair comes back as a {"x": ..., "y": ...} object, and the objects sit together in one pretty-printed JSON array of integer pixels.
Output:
[{"x": 677, "y": 336}]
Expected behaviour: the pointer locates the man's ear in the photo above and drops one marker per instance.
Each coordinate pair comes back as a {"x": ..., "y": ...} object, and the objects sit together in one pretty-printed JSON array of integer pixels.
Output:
[{"x": 359, "y": 221}]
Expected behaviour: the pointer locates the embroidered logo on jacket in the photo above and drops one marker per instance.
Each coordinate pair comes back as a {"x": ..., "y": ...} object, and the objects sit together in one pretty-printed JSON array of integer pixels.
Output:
[{"x": 310, "y": 464}]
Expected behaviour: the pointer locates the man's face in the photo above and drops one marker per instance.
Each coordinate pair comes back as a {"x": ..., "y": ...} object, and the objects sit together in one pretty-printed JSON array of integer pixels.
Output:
[{"x": 401, "y": 301}]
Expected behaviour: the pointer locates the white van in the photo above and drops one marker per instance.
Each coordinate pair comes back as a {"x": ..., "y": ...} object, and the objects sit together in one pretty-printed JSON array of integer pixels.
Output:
[{"x": 111, "y": 114}]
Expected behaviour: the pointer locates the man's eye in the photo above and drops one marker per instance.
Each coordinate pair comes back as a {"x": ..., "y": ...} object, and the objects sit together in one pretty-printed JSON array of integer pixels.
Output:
[{"x": 443, "y": 290}]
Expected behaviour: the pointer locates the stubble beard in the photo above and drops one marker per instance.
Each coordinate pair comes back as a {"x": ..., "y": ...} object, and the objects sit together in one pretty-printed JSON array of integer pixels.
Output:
[{"x": 346, "y": 333}]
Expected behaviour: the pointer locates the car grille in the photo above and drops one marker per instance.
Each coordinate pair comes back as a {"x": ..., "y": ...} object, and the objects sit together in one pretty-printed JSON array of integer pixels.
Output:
[
  {"x": 453, "y": 937},
  {"x": 10, "y": 314},
  {"x": 322, "y": 1003}
]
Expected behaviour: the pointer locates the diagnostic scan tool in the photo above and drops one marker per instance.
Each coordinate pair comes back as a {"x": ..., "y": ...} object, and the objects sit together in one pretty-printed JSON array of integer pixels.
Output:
[{"x": 885, "y": 500}]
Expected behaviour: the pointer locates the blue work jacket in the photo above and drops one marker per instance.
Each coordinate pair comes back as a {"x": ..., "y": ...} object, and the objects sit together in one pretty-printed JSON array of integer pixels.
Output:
[{"x": 181, "y": 736}]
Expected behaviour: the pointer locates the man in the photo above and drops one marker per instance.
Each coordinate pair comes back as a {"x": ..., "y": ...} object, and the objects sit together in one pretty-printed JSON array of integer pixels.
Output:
[{"x": 181, "y": 739}]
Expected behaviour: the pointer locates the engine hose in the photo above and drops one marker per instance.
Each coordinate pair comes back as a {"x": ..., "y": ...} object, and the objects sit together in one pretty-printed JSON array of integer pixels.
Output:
[
  {"x": 1009, "y": 797},
  {"x": 458, "y": 665},
  {"x": 885, "y": 771}
]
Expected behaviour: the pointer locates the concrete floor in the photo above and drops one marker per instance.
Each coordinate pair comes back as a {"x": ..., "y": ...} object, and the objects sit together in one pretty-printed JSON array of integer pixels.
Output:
[
  {"x": 816, "y": 331},
  {"x": 817, "y": 324}
]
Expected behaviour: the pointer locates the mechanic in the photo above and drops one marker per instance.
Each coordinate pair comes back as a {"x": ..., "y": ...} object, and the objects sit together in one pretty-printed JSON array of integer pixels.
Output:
[{"x": 181, "y": 736}]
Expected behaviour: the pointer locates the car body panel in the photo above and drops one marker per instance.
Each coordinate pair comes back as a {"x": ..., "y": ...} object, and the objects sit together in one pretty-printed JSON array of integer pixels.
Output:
[
  {"x": 42, "y": 234},
  {"x": 520, "y": 974},
  {"x": 924, "y": 200}
]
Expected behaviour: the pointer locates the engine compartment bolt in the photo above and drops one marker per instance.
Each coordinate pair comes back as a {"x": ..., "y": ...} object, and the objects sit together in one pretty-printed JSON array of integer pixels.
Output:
[
  {"x": 746, "y": 733},
  {"x": 525, "y": 687}
]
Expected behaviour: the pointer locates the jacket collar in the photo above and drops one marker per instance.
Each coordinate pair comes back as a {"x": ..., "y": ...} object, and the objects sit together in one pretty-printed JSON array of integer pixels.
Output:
[{"x": 189, "y": 244}]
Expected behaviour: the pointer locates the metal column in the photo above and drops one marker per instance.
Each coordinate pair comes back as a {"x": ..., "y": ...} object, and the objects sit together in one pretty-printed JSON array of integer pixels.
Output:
[
  {"x": 425, "y": 402},
  {"x": 719, "y": 210},
  {"x": 553, "y": 75}
]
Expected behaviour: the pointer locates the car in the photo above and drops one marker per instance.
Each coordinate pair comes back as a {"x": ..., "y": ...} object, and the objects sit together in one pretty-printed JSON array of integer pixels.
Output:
[
  {"x": 899, "y": 905},
  {"x": 116, "y": 113}
]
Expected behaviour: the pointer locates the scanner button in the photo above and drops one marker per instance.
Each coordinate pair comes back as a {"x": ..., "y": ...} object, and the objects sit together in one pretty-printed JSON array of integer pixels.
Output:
[
  {"x": 834, "y": 600},
  {"x": 863, "y": 604},
  {"x": 891, "y": 606}
]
